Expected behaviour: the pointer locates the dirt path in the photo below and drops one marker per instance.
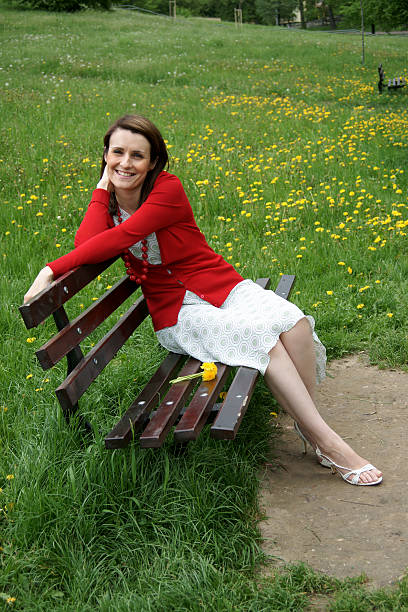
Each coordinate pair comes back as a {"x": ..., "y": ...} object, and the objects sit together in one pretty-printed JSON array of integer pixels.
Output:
[{"x": 315, "y": 517}]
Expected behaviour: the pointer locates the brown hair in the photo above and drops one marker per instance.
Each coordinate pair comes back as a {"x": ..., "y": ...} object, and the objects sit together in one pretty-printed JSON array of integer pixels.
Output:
[{"x": 158, "y": 151}]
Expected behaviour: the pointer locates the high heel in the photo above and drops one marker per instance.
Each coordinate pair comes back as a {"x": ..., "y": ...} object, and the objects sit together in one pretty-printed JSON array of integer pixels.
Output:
[
  {"x": 323, "y": 462},
  {"x": 356, "y": 473}
]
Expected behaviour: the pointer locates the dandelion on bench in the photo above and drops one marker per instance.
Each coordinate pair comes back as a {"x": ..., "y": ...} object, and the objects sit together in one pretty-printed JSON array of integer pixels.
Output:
[{"x": 209, "y": 373}]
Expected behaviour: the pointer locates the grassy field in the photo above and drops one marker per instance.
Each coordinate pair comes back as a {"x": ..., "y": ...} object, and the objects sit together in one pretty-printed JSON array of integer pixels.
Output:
[{"x": 293, "y": 163}]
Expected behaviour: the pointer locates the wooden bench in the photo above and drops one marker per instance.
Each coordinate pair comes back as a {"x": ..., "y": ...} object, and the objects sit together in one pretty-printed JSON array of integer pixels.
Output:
[
  {"x": 395, "y": 83},
  {"x": 143, "y": 415}
]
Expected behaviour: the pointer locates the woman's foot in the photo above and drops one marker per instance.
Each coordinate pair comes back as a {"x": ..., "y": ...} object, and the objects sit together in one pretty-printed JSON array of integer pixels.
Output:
[
  {"x": 345, "y": 461},
  {"x": 357, "y": 472}
]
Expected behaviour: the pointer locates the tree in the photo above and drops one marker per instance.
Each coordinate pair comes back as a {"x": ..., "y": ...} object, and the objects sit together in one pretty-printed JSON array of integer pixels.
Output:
[
  {"x": 302, "y": 14},
  {"x": 329, "y": 9},
  {"x": 275, "y": 11},
  {"x": 388, "y": 15},
  {"x": 68, "y": 6}
]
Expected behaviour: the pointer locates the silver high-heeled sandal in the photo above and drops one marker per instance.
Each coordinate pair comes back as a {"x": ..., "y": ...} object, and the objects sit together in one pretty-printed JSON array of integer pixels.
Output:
[
  {"x": 356, "y": 473},
  {"x": 324, "y": 462}
]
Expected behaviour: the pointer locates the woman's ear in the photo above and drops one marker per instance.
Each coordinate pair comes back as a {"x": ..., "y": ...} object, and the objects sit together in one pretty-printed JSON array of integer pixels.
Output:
[
  {"x": 153, "y": 163},
  {"x": 105, "y": 153}
]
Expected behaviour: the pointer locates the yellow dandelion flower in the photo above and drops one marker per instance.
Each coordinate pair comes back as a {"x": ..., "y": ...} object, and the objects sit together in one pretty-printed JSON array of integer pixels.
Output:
[
  {"x": 9, "y": 476},
  {"x": 329, "y": 292},
  {"x": 390, "y": 314},
  {"x": 360, "y": 306},
  {"x": 209, "y": 373}
]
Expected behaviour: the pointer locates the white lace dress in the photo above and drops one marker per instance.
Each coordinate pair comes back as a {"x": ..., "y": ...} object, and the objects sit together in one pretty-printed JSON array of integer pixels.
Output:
[{"x": 241, "y": 332}]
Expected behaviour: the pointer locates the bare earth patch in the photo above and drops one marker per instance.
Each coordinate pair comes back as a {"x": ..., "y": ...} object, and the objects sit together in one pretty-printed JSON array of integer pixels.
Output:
[{"x": 315, "y": 517}]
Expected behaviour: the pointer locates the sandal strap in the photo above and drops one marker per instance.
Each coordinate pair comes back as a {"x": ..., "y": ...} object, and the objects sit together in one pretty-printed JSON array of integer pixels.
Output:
[{"x": 357, "y": 473}]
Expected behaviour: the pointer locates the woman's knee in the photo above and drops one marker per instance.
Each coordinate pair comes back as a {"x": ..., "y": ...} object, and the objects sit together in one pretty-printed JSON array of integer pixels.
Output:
[{"x": 301, "y": 328}]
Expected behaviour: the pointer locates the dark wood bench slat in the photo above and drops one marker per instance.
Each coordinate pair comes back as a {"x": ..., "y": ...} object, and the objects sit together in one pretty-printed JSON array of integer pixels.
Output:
[
  {"x": 285, "y": 285},
  {"x": 168, "y": 411},
  {"x": 232, "y": 411},
  {"x": 134, "y": 418},
  {"x": 263, "y": 282},
  {"x": 240, "y": 392},
  {"x": 99, "y": 356},
  {"x": 196, "y": 414},
  {"x": 59, "y": 292},
  {"x": 55, "y": 349}
]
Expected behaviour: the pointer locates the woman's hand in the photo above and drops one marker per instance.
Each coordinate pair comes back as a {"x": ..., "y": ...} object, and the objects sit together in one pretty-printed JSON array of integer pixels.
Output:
[
  {"x": 44, "y": 278},
  {"x": 104, "y": 181}
]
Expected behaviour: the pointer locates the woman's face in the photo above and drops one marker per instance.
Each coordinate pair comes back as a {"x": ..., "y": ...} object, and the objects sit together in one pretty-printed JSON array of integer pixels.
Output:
[{"x": 128, "y": 160}]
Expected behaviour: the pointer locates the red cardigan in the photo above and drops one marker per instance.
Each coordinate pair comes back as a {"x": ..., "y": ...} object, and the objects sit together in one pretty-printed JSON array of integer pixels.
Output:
[{"x": 188, "y": 262}]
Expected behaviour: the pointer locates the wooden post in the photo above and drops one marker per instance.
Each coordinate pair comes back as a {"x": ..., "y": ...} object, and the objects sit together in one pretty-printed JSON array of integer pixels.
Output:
[
  {"x": 238, "y": 17},
  {"x": 172, "y": 8}
]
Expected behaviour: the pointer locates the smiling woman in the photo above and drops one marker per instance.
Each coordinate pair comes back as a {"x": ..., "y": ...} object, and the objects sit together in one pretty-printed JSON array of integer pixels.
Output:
[
  {"x": 199, "y": 304},
  {"x": 127, "y": 164}
]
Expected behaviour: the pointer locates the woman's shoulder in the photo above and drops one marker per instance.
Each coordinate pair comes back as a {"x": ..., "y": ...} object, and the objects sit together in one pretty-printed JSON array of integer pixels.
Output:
[
  {"x": 170, "y": 184},
  {"x": 167, "y": 177}
]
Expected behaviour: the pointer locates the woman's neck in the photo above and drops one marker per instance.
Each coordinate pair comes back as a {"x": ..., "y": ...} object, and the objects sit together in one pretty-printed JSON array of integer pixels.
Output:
[{"x": 128, "y": 200}]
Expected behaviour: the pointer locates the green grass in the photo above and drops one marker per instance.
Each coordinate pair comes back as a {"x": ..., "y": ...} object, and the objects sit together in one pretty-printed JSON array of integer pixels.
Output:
[{"x": 293, "y": 164}]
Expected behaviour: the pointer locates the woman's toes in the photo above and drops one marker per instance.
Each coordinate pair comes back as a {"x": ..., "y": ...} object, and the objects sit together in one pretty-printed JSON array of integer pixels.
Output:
[{"x": 371, "y": 476}]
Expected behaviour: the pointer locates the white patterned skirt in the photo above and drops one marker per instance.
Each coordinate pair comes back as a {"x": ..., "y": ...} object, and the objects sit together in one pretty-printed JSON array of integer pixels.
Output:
[{"x": 239, "y": 333}]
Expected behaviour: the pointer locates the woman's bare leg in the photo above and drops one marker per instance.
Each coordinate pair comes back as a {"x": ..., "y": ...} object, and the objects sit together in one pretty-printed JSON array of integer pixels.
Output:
[
  {"x": 286, "y": 384},
  {"x": 299, "y": 345}
]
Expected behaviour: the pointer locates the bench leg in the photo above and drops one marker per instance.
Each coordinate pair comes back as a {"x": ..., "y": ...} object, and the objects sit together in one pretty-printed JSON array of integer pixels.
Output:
[{"x": 73, "y": 358}]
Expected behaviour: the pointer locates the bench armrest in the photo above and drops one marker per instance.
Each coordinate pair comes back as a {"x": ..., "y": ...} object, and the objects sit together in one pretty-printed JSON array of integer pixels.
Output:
[{"x": 59, "y": 292}]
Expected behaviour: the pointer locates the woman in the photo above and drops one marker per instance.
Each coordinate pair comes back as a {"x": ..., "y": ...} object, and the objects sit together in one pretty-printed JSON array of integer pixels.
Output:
[{"x": 199, "y": 304}]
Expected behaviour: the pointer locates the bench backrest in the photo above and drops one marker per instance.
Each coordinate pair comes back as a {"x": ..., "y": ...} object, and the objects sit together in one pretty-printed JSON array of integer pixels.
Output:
[{"x": 82, "y": 370}]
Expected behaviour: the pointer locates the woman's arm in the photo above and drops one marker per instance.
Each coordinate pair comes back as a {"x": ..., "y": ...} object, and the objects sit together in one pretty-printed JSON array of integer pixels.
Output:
[
  {"x": 97, "y": 218},
  {"x": 166, "y": 205}
]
